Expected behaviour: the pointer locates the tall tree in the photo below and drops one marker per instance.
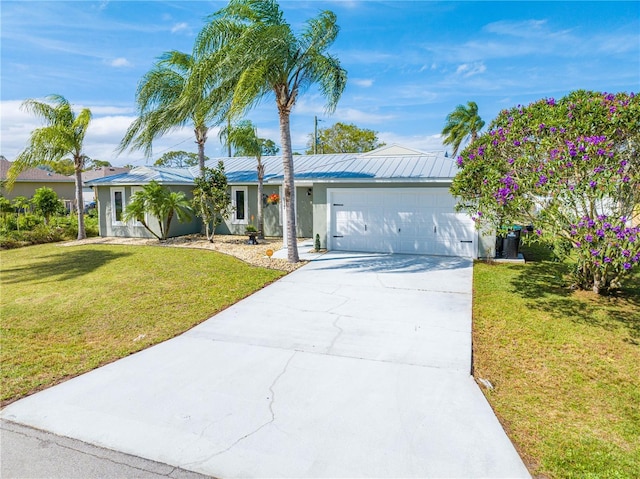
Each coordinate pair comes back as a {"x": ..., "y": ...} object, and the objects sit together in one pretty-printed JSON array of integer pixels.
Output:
[
  {"x": 344, "y": 138},
  {"x": 178, "y": 159},
  {"x": 249, "y": 51},
  {"x": 243, "y": 137},
  {"x": 461, "y": 124},
  {"x": 62, "y": 137},
  {"x": 159, "y": 110}
]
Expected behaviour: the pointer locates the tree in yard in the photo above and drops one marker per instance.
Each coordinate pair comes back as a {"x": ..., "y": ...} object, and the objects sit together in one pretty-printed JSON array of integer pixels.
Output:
[
  {"x": 159, "y": 110},
  {"x": 161, "y": 203},
  {"x": 62, "y": 137},
  {"x": 211, "y": 199},
  {"x": 461, "y": 124},
  {"x": 244, "y": 139},
  {"x": 249, "y": 51},
  {"x": 571, "y": 167},
  {"x": 91, "y": 163},
  {"x": 46, "y": 202},
  {"x": 344, "y": 138},
  {"x": 178, "y": 159}
]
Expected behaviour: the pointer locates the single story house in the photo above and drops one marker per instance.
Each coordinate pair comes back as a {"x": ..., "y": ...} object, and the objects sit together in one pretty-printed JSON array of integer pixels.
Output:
[
  {"x": 30, "y": 180},
  {"x": 88, "y": 194},
  {"x": 393, "y": 199}
]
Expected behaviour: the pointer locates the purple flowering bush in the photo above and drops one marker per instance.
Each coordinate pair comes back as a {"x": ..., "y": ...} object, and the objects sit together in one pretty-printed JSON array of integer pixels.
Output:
[{"x": 571, "y": 167}]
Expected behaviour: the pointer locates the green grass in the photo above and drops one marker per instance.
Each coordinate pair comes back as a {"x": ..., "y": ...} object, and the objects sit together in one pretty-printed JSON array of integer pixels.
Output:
[
  {"x": 565, "y": 366},
  {"x": 68, "y": 309}
]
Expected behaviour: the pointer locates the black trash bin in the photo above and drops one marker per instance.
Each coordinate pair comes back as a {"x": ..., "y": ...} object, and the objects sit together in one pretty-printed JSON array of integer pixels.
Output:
[{"x": 511, "y": 246}]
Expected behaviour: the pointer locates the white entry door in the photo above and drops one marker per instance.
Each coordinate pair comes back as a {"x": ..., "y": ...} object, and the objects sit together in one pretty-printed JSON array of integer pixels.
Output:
[{"x": 396, "y": 220}]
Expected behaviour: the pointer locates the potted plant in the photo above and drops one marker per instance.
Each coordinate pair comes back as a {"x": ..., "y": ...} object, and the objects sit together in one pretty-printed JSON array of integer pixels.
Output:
[{"x": 252, "y": 231}]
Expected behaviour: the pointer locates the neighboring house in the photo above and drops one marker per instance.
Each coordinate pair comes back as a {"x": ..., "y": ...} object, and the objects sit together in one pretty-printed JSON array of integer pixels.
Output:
[
  {"x": 392, "y": 199},
  {"x": 30, "y": 180},
  {"x": 88, "y": 194}
]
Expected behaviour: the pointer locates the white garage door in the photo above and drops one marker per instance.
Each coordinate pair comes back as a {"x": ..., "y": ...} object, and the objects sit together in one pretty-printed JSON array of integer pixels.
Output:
[{"x": 410, "y": 220}]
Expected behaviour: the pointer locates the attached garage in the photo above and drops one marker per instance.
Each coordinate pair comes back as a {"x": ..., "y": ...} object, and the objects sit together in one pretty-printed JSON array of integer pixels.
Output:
[{"x": 399, "y": 220}]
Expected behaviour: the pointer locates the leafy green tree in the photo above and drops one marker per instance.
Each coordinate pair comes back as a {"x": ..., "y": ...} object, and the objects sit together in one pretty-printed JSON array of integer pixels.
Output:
[
  {"x": 63, "y": 137},
  {"x": 91, "y": 163},
  {"x": 211, "y": 199},
  {"x": 344, "y": 138},
  {"x": 5, "y": 206},
  {"x": 63, "y": 167},
  {"x": 161, "y": 203},
  {"x": 570, "y": 167},
  {"x": 244, "y": 139},
  {"x": 178, "y": 159},
  {"x": 159, "y": 110},
  {"x": 46, "y": 202},
  {"x": 461, "y": 124},
  {"x": 247, "y": 52},
  {"x": 20, "y": 204}
]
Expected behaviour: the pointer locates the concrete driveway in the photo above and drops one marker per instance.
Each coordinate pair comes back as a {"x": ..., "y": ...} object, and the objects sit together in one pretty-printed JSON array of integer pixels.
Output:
[{"x": 356, "y": 365}]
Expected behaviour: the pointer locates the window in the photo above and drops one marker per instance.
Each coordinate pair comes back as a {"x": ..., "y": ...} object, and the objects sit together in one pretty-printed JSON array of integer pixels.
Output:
[
  {"x": 239, "y": 201},
  {"x": 117, "y": 205}
]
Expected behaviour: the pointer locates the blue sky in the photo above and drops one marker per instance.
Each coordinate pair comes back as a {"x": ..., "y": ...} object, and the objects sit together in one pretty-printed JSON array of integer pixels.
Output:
[{"x": 409, "y": 62}]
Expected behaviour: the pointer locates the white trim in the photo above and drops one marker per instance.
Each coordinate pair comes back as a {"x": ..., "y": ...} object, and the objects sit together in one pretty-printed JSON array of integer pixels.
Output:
[
  {"x": 113, "y": 191},
  {"x": 330, "y": 198},
  {"x": 234, "y": 219}
]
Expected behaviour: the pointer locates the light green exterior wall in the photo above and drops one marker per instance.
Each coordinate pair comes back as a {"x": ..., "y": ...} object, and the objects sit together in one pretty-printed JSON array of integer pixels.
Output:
[
  {"x": 272, "y": 214},
  {"x": 131, "y": 230}
]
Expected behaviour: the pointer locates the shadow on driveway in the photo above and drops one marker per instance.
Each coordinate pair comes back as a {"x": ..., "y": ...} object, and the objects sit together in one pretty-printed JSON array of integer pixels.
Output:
[{"x": 389, "y": 263}]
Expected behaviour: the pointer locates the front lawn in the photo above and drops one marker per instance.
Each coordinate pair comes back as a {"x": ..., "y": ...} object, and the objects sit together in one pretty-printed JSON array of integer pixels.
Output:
[
  {"x": 565, "y": 366},
  {"x": 68, "y": 309}
]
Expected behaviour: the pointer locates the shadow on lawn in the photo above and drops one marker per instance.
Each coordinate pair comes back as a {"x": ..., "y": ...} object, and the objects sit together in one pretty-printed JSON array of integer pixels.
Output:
[
  {"x": 544, "y": 283},
  {"x": 69, "y": 264}
]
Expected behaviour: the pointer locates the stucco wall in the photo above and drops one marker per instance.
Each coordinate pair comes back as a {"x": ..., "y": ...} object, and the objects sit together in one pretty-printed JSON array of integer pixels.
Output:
[
  {"x": 65, "y": 191},
  {"x": 272, "y": 213},
  {"x": 132, "y": 230}
]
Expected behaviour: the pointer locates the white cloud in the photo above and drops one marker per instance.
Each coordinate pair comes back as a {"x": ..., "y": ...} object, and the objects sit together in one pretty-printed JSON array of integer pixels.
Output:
[
  {"x": 120, "y": 62},
  {"x": 180, "y": 27},
  {"x": 526, "y": 28},
  {"x": 470, "y": 69},
  {"x": 363, "y": 82}
]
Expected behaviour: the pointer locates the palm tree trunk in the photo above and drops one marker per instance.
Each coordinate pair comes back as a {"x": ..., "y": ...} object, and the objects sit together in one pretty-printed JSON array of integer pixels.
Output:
[
  {"x": 289, "y": 187},
  {"x": 201, "y": 139},
  {"x": 260, "y": 202},
  {"x": 79, "y": 200}
]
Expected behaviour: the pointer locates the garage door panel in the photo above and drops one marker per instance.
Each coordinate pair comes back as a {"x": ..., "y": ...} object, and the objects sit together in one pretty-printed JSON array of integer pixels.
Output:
[{"x": 416, "y": 221}]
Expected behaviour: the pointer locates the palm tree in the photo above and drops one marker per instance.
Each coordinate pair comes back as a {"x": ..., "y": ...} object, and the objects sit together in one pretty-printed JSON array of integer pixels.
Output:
[
  {"x": 162, "y": 204},
  {"x": 157, "y": 102},
  {"x": 61, "y": 138},
  {"x": 248, "y": 51},
  {"x": 462, "y": 123},
  {"x": 244, "y": 139}
]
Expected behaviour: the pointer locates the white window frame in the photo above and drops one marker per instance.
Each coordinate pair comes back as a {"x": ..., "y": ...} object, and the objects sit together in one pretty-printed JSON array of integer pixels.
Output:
[
  {"x": 115, "y": 190},
  {"x": 234, "y": 219},
  {"x": 134, "y": 190}
]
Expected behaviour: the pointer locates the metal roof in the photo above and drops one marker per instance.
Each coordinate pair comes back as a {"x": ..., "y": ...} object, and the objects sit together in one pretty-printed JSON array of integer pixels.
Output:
[
  {"x": 342, "y": 167},
  {"x": 142, "y": 175},
  {"x": 375, "y": 166}
]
